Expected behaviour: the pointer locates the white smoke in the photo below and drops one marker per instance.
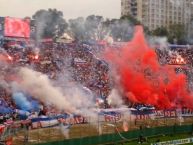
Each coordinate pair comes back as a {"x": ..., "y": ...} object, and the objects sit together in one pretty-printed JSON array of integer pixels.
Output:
[
  {"x": 162, "y": 42},
  {"x": 39, "y": 85},
  {"x": 65, "y": 130},
  {"x": 115, "y": 99},
  {"x": 72, "y": 99}
]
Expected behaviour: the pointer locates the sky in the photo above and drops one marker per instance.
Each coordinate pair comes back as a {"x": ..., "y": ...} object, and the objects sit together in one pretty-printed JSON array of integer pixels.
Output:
[{"x": 70, "y": 8}]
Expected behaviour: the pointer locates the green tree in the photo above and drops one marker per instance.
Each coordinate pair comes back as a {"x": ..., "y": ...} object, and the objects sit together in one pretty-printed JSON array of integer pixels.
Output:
[
  {"x": 49, "y": 23},
  {"x": 121, "y": 29},
  {"x": 177, "y": 34},
  {"x": 131, "y": 19},
  {"x": 94, "y": 27},
  {"x": 161, "y": 31},
  {"x": 77, "y": 27},
  {"x": 87, "y": 29}
]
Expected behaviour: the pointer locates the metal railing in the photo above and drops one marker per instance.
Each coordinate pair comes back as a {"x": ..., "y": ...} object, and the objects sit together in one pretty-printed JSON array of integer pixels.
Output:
[{"x": 24, "y": 134}]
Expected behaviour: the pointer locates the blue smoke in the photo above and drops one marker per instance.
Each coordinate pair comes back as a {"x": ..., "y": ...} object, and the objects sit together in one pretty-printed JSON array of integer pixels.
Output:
[
  {"x": 25, "y": 103},
  {"x": 34, "y": 104}
]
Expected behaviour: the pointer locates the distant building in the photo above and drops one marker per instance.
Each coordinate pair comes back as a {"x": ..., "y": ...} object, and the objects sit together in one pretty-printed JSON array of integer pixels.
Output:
[{"x": 157, "y": 13}]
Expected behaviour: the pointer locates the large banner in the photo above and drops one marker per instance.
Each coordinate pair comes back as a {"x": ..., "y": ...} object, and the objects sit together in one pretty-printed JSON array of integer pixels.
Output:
[
  {"x": 110, "y": 115},
  {"x": 104, "y": 115},
  {"x": 15, "y": 27}
]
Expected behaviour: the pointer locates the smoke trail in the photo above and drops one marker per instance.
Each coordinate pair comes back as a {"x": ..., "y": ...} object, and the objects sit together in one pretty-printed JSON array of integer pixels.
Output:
[
  {"x": 143, "y": 79},
  {"x": 162, "y": 42},
  {"x": 65, "y": 130},
  {"x": 70, "y": 98},
  {"x": 114, "y": 99},
  {"x": 40, "y": 86},
  {"x": 21, "y": 101}
]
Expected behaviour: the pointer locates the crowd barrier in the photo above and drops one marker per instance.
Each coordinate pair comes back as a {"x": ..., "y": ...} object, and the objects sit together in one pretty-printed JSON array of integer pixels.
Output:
[
  {"x": 125, "y": 136},
  {"x": 37, "y": 130}
]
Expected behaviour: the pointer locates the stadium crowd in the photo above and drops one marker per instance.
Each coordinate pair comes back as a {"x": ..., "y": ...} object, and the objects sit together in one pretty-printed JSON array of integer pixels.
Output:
[{"x": 53, "y": 59}]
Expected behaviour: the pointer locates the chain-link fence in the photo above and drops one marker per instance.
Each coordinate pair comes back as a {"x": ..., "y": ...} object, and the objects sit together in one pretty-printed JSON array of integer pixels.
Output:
[{"x": 25, "y": 134}]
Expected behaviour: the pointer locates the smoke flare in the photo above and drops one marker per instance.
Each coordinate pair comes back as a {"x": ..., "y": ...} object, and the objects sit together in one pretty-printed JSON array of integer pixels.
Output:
[{"x": 143, "y": 79}]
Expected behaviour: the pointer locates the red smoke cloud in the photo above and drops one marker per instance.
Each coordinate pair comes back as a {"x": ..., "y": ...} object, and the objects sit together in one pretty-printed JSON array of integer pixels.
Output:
[{"x": 144, "y": 80}]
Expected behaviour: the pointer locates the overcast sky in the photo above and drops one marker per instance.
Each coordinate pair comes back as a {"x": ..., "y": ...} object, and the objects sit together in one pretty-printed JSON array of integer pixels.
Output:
[{"x": 70, "y": 8}]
